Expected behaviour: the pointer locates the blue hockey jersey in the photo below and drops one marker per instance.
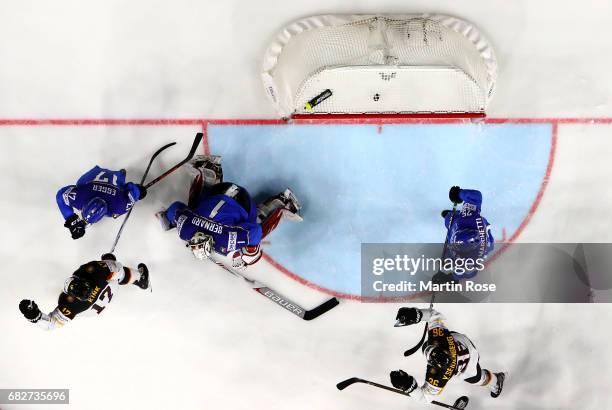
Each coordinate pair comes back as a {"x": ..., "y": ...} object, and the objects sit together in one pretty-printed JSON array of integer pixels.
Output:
[
  {"x": 98, "y": 183},
  {"x": 469, "y": 218},
  {"x": 232, "y": 223}
]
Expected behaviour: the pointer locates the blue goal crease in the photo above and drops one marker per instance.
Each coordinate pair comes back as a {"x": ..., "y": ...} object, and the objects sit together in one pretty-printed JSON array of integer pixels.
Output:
[{"x": 364, "y": 183}]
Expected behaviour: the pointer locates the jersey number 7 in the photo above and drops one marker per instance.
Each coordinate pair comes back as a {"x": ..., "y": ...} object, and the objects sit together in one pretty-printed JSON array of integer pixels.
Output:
[{"x": 101, "y": 178}]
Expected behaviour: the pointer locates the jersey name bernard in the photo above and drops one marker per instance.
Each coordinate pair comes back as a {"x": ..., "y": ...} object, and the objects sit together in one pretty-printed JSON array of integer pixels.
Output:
[
  {"x": 207, "y": 224},
  {"x": 200, "y": 223}
]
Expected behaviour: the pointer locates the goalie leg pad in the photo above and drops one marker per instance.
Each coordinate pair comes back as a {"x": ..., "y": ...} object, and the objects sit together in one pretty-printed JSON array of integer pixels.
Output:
[
  {"x": 206, "y": 172},
  {"x": 208, "y": 167},
  {"x": 271, "y": 222},
  {"x": 286, "y": 201}
]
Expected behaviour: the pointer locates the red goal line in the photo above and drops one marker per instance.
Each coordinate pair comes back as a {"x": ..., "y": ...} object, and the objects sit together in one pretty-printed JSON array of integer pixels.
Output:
[{"x": 328, "y": 119}]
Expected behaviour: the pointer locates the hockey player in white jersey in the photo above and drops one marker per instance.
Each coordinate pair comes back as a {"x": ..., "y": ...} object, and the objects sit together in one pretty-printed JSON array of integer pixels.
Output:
[
  {"x": 87, "y": 292},
  {"x": 449, "y": 355}
]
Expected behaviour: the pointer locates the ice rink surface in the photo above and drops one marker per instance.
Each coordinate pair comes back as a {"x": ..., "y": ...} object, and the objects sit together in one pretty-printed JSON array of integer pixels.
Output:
[{"x": 76, "y": 75}]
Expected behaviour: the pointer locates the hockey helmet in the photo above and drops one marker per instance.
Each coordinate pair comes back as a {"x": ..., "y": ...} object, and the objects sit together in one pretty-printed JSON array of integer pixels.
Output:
[
  {"x": 437, "y": 356},
  {"x": 201, "y": 245},
  {"x": 94, "y": 210},
  {"x": 77, "y": 287},
  {"x": 465, "y": 241}
]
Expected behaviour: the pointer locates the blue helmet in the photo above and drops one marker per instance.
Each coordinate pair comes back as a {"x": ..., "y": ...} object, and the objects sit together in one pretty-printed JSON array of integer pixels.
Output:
[
  {"x": 94, "y": 210},
  {"x": 465, "y": 241}
]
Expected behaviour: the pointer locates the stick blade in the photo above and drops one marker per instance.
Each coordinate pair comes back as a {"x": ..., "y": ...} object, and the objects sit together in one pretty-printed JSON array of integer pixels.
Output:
[
  {"x": 168, "y": 145},
  {"x": 321, "y": 309},
  {"x": 346, "y": 383}
]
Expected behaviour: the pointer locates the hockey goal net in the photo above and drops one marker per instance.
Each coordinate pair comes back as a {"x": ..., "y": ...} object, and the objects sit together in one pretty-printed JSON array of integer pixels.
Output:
[{"x": 380, "y": 64}]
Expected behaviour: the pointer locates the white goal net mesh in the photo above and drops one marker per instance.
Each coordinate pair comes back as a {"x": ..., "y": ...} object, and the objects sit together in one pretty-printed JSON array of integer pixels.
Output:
[{"x": 379, "y": 64}]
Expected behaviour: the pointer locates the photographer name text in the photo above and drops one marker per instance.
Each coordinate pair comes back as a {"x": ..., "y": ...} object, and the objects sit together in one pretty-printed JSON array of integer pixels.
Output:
[{"x": 429, "y": 286}]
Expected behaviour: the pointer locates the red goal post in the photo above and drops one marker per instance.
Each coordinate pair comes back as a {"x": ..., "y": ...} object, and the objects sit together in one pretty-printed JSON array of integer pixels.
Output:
[{"x": 399, "y": 65}]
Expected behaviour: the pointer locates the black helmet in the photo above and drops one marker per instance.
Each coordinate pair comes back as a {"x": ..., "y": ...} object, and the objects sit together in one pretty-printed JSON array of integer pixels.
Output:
[
  {"x": 77, "y": 287},
  {"x": 437, "y": 356}
]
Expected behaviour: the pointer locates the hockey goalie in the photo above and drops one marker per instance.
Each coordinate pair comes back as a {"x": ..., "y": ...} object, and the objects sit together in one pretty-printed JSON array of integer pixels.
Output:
[{"x": 221, "y": 221}]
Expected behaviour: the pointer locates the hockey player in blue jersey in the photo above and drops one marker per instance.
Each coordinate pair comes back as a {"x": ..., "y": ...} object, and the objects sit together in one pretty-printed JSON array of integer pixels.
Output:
[
  {"x": 469, "y": 235},
  {"x": 98, "y": 193},
  {"x": 221, "y": 219}
]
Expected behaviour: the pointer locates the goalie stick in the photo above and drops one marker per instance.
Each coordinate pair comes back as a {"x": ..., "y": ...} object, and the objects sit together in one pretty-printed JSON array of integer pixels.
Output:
[
  {"x": 416, "y": 347},
  {"x": 460, "y": 404},
  {"x": 144, "y": 176},
  {"x": 282, "y": 301}
]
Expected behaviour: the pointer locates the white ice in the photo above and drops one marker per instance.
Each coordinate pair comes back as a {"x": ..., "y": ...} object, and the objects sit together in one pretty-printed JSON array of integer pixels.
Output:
[{"x": 203, "y": 340}]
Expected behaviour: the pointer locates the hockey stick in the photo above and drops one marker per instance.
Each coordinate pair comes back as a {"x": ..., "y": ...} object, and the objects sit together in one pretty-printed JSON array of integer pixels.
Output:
[
  {"x": 416, "y": 347},
  {"x": 460, "y": 404},
  {"x": 144, "y": 176},
  {"x": 194, "y": 147},
  {"x": 282, "y": 301}
]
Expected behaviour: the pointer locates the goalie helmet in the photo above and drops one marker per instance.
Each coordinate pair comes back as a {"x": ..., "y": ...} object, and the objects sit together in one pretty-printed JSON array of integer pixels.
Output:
[
  {"x": 77, "y": 287},
  {"x": 94, "y": 210},
  {"x": 437, "y": 356},
  {"x": 201, "y": 245}
]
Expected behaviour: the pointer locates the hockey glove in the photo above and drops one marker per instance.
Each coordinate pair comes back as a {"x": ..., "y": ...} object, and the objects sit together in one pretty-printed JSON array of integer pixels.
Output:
[
  {"x": 142, "y": 192},
  {"x": 30, "y": 310},
  {"x": 441, "y": 278},
  {"x": 403, "y": 381},
  {"x": 453, "y": 195},
  {"x": 251, "y": 254},
  {"x": 408, "y": 316},
  {"x": 76, "y": 226},
  {"x": 108, "y": 257},
  {"x": 237, "y": 261}
]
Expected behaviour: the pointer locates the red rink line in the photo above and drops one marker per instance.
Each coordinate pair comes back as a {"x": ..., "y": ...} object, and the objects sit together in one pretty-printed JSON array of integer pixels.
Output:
[
  {"x": 205, "y": 147},
  {"x": 204, "y": 123},
  {"x": 102, "y": 121},
  {"x": 341, "y": 295},
  {"x": 268, "y": 121},
  {"x": 410, "y": 120}
]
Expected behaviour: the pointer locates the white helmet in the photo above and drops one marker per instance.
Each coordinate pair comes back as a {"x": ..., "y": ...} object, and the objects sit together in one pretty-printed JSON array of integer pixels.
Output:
[{"x": 201, "y": 245}]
